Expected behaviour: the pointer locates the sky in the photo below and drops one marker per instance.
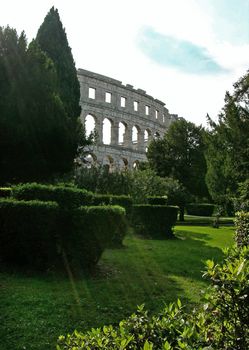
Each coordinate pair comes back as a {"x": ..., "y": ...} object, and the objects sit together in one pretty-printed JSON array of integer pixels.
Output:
[{"x": 186, "y": 53}]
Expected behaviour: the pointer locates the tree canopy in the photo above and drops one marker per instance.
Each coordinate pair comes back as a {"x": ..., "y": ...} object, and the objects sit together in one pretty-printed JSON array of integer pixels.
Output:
[
  {"x": 36, "y": 141},
  {"x": 228, "y": 144},
  {"x": 180, "y": 155},
  {"x": 52, "y": 39}
]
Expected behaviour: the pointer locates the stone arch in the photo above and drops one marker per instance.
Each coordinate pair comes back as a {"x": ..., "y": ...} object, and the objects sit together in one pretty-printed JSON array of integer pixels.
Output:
[
  {"x": 90, "y": 123},
  {"x": 122, "y": 130},
  {"x": 135, "y": 134},
  {"x": 147, "y": 135},
  {"x": 135, "y": 165},
  {"x": 123, "y": 163},
  {"x": 107, "y": 131},
  {"x": 109, "y": 162}
]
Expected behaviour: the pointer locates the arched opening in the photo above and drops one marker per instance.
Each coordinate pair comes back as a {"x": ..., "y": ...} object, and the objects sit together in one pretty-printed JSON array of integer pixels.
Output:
[
  {"x": 107, "y": 131},
  {"x": 109, "y": 163},
  {"x": 135, "y": 165},
  {"x": 147, "y": 134},
  {"x": 135, "y": 134},
  {"x": 89, "y": 124},
  {"x": 121, "y": 132},
  {"x": 123, "y": 164}
]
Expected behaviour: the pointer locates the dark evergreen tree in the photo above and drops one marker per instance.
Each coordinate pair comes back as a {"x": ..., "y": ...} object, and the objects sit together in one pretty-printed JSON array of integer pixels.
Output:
[
  {"x": 180, "y": 154},
  {"x": 52, "y": 39},
  {"x": 228, "y": 144},
  {"x": 36, "y": 141}
]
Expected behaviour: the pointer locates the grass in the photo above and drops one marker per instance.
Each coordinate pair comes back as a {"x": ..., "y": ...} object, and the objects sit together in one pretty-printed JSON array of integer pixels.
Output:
[
  {"x": 36, "y": 309},
  {"x": 206, "y": 220}
]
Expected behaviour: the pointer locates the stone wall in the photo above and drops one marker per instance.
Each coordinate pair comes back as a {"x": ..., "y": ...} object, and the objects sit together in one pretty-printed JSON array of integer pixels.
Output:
[{"x": 139, "y": 115}]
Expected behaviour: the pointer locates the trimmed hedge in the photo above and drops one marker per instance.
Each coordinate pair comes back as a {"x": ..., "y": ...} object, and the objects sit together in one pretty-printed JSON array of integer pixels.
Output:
[
  {"x": 155, "y": 221},
  {"x": 109, "y": 199},
  {"x": 41, "y": 234},
  {"x": 157, "y": 200},
  {"x": 200, "y": 209},
  {"x": 5, "y": 192},
  {"x": 242, "y": 229},
  {"x": 66, "y": 197},
  {"x": 28, "y": 232}
]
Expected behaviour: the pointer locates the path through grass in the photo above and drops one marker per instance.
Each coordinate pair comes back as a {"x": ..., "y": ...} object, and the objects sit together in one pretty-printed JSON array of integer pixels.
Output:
[{"x": 36, "y": 309}]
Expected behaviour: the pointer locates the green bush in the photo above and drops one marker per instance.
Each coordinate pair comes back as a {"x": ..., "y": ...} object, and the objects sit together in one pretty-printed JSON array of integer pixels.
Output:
[
  {"x": 200, "y": 209},
  {"x": 155, "y": 221},
  {"x": 66, "y": 197},
  {"x": 157, "y": 200},
  {"x": 28, "y": 232},
  {"x": 5, "y": 192},
  {"x": 42, "y": 235},
  {"x": 109, "y": 199},
  {"x": 242, "y": 228}
]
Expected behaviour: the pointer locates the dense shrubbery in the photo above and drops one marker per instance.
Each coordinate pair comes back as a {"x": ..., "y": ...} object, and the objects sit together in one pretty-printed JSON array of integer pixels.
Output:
[
  {"x": 157, "y": 200},
  {"x": 109, "y": 199},
  {"x": 5, "y": 192},
  {"x": 28, "y": 232},
  {"x": 220, "y": 323},
  {"x": 242, "y": 229},
  {"x": 66, "y": 197},
  {"x": 154, "y": 220},
  {"x": 200, "y": 209},
  {"x": 39, "y": 234}
]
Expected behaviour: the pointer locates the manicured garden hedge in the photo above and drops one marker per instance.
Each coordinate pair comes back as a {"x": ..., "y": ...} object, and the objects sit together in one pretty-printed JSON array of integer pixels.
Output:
[
  {"x": 242, "y": 229},
  {"x": 66, "y": 197},
  {"x": 110, "y": 199},
  {"x": 5, "y": 192},
  {"x": 41, "y": 234},
  {"x": 157, "y": 200},
  {"x": 154, "y": 220},
  {"x": 200, "y": 209}
]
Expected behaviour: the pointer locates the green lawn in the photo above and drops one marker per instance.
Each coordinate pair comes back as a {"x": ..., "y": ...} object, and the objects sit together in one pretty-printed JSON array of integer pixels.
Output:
[
  {"x": 36, "y": 309},
  {"x": 206, "y": 220}
]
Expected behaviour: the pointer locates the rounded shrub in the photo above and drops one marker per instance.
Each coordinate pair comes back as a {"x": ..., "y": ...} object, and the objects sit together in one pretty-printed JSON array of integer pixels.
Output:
[
  {"x": 154, "y": 221},
  {"x": 200, "y": 209}
]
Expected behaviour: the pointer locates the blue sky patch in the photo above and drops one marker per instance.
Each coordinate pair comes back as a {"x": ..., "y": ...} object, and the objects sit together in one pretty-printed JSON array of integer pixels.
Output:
[{"x": 181, "y": 54}]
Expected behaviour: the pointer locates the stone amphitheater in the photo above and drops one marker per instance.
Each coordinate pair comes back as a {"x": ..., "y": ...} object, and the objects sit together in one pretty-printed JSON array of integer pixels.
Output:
[{"x": 124, "y": 119}]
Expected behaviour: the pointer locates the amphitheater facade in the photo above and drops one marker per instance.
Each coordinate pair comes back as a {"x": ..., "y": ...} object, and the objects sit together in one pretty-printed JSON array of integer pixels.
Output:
[{"x": 124, "y": 119}]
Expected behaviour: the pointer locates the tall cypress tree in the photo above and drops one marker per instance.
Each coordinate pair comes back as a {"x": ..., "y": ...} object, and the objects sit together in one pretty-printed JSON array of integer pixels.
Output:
[{"x": 52, "y": 39}]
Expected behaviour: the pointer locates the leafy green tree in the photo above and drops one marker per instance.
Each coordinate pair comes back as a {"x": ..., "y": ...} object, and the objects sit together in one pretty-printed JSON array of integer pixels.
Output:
[
  {"x": 52, "y": 39},
  {"x": 228, "y": 144},
  {"x": 36, "y": 141},
  {"x": 180, "y": 154}
]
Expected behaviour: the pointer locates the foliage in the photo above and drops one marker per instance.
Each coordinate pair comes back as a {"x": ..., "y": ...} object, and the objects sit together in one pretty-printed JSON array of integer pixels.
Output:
[
  {"x": 242, "y": 200},
  {"x": 100, "y": 180},
  {"x": 28, "y": 232},
  {"x": 155, "y": 221},
  {"x": 227, "y": 307},
  {"x": 108, "y": 199},
  {"x": 32, "y": 116},
  {"x": 41, "y": 235},
  {"x": 200, "y": 209},
  {"x": 180, "y": 154},
  {"x": 157, "y": 200},
  {"x": 242, "y": 229},
  {"x": 5, "y": 192},
  {"x": 228, "y": 144},
  {"x": 65, "y": 196},
  {"x": 52, "y": 39}
]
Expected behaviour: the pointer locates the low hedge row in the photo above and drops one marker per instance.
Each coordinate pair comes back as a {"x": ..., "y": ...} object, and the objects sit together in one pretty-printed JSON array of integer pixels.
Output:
[
  {"x": 5, "y": 192},
  {"x": 66, "y": 197},
  {"x": 155, "y": 221},
  {"x": 157, "y": 200},
  {"x": 40, "y": 234},
  {"x": 109, "y": 199},
  {"x": 200, "y": 209}
]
